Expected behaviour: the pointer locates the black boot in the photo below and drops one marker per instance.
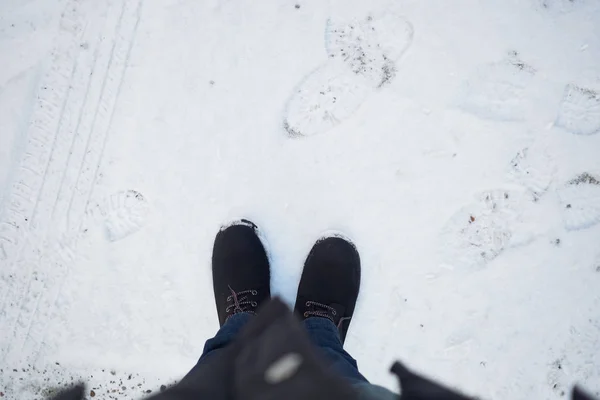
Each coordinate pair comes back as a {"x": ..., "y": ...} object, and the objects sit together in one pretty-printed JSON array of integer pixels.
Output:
[
  {"x": 241, "y": 274},
  {"x": 330, "y": 283}
]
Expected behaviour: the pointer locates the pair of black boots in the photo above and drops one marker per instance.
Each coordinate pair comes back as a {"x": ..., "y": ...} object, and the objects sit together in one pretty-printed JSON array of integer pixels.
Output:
[{"x": 242, "y": 278}]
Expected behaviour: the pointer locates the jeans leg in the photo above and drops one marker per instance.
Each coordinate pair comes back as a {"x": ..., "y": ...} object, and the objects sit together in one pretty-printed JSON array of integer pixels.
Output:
[
  {"x": 325, "y": 335},
  {"x": 321, "y": 331},
  {"x": 225, "y": 335}
]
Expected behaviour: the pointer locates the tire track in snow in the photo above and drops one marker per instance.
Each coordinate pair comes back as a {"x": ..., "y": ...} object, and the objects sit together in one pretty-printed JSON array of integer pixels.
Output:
[
  {"x": 100, "y": 93},
  {"x": 120, "y": 52},
  {"x": 53, "y": 96},
  {"x": 51, "y": 102},
  {"x": 75, "y": 131},
  {"x": 111, "y": 87},
  {"x": 41, "y": 276},
  {"x": 99, "y": 126},
  {"x": 43, "y": 279}
]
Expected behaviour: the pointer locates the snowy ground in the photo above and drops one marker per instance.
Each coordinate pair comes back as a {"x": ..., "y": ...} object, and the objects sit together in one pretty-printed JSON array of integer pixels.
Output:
[{"x": 457, "y": 143}]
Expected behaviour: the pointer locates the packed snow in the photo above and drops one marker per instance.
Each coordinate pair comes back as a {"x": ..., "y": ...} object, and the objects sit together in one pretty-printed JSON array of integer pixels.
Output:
[{"x": 456, "y": 143}]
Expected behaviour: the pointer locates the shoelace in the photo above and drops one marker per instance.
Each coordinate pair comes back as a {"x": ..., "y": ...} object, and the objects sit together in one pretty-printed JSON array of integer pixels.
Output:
[
  {"x": 241, "y": 303},
  {"x": 327, "y": 312}
]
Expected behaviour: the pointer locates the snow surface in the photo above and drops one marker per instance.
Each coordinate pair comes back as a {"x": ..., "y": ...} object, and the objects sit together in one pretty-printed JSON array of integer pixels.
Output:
[{"x": 457, "y": 143}]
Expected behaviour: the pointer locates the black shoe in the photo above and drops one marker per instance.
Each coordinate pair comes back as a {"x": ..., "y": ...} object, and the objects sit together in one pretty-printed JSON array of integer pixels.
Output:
[
  {"x": 330, "y": 283},
  {"x": 241, "y": 274}
]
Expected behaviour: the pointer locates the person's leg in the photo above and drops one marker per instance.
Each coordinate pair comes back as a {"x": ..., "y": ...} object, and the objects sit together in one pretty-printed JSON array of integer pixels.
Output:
[
  {"x": 325, "y": 335},
  {"x": 225, "y": 335},
  {"x": 326, "y": 299},
  {"x": 241, "y": 281}
]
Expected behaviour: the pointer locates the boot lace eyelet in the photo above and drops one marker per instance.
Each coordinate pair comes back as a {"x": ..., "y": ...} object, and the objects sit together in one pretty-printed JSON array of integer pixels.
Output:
[
  {"x": 334, "y": 313},
  {"x": 254, "y": 304},
  {"x": 307, "y": 304},
  {"x": 305, "y": 315},
  {"x": 254, "y": 292}
]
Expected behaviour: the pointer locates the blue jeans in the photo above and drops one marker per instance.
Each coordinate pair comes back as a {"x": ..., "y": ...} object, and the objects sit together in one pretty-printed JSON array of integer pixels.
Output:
[{"x": 322, "y": 332}]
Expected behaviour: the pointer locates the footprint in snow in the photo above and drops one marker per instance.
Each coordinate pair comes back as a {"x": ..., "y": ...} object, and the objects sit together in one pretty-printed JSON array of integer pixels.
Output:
[
  {"x": 534, "y": 168},
  {"x": 369, "y": 47},
  {"x": 482, "y": 230},
  {"x": 596, "y": 264},
  {"x": 558, "y": 5},
  {"x": 326, "y": 97},
  {"x": 579, "y": 111},
  {"x": 362, "y": 56},
  {"x": 580, "y": 201},
  {"x": 122, "y": 214},
  {"x": 498, "y": 90},
  {"x": 557, "y": 377}
]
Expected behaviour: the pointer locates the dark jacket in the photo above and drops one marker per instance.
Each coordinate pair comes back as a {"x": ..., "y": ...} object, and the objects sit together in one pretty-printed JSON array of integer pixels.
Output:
[{"x": 273, "y": 359}]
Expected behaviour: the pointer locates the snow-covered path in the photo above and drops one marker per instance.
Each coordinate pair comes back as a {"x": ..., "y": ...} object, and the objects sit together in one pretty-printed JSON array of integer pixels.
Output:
[{"x": 457, "y": 144}]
